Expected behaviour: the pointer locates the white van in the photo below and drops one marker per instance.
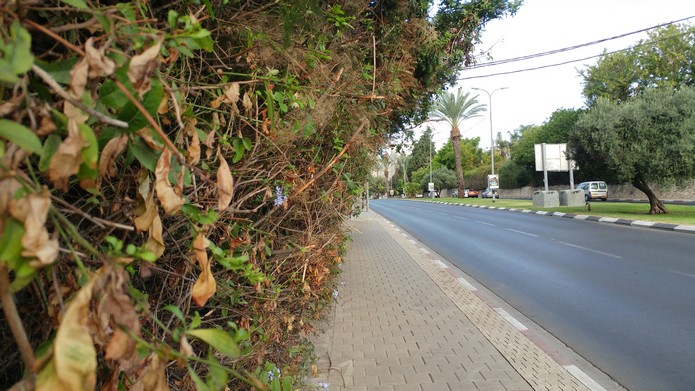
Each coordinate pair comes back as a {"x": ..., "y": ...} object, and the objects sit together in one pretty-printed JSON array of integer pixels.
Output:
[{"x": 594, "y": 190}]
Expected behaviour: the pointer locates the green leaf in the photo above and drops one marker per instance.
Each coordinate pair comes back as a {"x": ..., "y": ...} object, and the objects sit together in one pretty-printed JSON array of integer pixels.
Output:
[
  {"x": 196, "y": 321},
  {"x": 218, "y": 339},
  {"x": 81, "y": 4},
  {"x": 11, "y": 241},
  {"x": 135, "y": 119},
  {"x": 50, "y": 146},
  {"x": 145, "y": 155},
  {"x": 60, "y": 70},
  {"x": 176, "y": 311},
  {"x": 172, "y": 18},
  {"x": 16, "y": 54},
  {"x": 90, "y": 153},
  {"x": 111, "y": 96},
  {"x": 247, "y": 143},
  {"x": 24, "y": 137}
]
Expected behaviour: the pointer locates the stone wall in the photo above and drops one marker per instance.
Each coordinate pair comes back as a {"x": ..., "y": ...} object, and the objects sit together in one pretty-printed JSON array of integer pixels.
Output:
[{"x": 685, "y": 191}]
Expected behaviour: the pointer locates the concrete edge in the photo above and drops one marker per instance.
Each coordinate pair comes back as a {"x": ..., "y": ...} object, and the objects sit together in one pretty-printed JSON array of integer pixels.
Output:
[{"x": 682, "y": 228}]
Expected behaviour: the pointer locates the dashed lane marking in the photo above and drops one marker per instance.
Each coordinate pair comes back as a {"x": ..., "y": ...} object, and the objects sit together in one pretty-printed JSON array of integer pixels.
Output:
[
  {"x": 485, "y": 222},
  {"x": 591, "y": 249},
  {"x": 522, "y": 232}
]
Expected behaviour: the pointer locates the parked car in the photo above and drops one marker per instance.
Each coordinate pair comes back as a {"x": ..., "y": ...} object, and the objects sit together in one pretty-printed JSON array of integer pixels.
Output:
[
  {"x": 470, "y": 193},
  {"x": 487, "y": 193},
  {"x": 594, "y": 190}
]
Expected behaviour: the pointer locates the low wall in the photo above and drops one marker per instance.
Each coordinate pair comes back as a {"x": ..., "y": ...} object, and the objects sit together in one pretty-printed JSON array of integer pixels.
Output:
[{"x": 685, "y": 191}]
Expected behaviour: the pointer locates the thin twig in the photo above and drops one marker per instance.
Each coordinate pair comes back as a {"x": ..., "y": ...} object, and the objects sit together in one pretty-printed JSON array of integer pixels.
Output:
[
  {"x": 332, "y": 162},
  {"x": 14, "y": 321},
  {"x": 55, "y": 36},
  {"x": 48, "y": 79},
  {"x": 152, "y": 122}
]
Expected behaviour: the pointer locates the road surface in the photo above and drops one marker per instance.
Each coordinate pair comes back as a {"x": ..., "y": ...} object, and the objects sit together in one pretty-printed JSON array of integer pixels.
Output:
[{"x": 621, "y": 297}]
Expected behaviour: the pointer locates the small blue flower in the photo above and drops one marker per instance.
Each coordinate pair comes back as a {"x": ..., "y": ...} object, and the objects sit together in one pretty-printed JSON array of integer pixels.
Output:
[
  {"x": 335, "y": 294},
  {"x": 271, "y": 375},
  {"x": 324, "y": 385},
  {"x": 280, "y": 198}
]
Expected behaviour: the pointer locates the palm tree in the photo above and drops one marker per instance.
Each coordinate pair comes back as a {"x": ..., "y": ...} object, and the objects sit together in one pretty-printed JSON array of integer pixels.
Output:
[{"x": 454, "y": 109}]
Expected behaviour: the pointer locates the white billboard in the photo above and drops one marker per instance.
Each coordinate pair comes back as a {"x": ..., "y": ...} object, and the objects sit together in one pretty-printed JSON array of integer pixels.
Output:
[{"x": 555, "y": 157}]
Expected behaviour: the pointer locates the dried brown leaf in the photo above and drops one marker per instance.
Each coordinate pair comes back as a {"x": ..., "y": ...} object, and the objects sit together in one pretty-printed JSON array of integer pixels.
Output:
[
  {"x": 209, "y": 142},
  {"x": 205, "y": 286},
  {"x": 225, "y": 184},
  {"x": 117, "y": 306},
  {"x": 74, "y": 362},
  {"x": 68, "y": 157},
  {"x": 171, "y": 202},
  {"x": 194, "y": 147},
  {"x": 153, "y": 377},
  {"x": 107, "y": 160},
  {"x": 185, "y": 347},
  {"x": 247, "y": 103},
  {"x": 99, "y": 64},
  {"x": 155, "y": 242},
  {"x": 32, "y": 211},
  {"x": 141, "y": 68}
]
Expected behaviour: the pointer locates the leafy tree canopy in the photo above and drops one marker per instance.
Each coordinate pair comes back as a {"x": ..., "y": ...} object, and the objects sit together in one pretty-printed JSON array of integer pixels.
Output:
[
  {"x": 650, "y": 138},
  {"x": 471, "y": 154},
  {"x": 665, "y": 59}
]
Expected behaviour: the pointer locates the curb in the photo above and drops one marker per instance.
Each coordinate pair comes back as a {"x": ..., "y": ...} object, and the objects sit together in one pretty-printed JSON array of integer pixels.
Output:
[{"x": 690, "y": 229}]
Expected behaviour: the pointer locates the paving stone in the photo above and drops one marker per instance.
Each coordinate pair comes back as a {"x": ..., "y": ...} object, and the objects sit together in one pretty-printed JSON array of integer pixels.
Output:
[{"x": 401, "y": 322}]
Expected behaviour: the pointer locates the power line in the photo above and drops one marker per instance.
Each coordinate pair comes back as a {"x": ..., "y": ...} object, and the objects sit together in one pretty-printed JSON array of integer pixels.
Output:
[
  {"x": 571, "y": 61},
  {"x": 565, "y": 49}
]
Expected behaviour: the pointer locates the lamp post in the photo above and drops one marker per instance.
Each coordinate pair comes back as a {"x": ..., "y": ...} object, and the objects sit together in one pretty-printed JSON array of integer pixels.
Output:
[{"x": 492, "y": 139}]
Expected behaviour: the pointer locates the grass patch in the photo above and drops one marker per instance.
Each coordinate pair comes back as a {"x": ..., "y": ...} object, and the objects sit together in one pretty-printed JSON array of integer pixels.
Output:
[{"x": 678, "y": 214}]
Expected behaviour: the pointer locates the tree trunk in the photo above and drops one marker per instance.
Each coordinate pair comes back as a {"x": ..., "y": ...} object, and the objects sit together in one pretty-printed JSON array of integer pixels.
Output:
[
  {"x": 655, "y": 205},
  {"x": 456, "y": 144},
  {"x": 386, "y": 175}
]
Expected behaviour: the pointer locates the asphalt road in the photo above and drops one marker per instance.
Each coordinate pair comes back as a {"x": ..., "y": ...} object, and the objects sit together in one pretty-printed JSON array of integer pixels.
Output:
[{"x": 621, "y": 297}]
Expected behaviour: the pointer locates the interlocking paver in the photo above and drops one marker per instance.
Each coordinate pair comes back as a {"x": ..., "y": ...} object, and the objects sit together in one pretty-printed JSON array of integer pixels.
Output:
[{"x": 401, "y": 322}]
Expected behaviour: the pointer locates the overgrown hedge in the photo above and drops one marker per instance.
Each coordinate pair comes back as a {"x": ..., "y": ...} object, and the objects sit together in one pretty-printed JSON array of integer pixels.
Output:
[{"x": 174, "y": 177}]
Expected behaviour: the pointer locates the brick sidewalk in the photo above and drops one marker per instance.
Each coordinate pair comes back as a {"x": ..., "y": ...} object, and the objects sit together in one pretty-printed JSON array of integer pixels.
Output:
[{"x": 402, "y": 322}]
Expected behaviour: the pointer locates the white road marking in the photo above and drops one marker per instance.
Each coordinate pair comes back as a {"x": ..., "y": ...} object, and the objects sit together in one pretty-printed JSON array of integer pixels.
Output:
[
  {"x": 591, "y": 249},
  {"x": 412, "y": 241},
  {"x": 462, "y": 218},
  {"x": 484, "y": 222},
  {"x": 683, "y": 273},
  {"x": 584, "y": 378},
  {"x": 522, "y": 232},
  {"x": 466, "y": 284},
  {"x": 443, "y": 214},
  {"x": 512, "y": 320},
  {"x": 424, "y": 250}
]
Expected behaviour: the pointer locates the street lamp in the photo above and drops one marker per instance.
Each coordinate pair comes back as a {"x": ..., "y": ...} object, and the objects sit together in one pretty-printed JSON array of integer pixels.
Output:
[{"x": 492, "y": 139}]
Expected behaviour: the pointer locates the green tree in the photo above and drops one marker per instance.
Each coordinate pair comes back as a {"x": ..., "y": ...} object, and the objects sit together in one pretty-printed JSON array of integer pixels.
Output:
[
  {"x": 471, "y": 154},
  {"x": 665, "y": 59},
  {"x": 442, "y": 177},
  {"x": 648, "y": 139},
  {"x": 420, "y": 157},
  {"x": 454, "y": 109}
]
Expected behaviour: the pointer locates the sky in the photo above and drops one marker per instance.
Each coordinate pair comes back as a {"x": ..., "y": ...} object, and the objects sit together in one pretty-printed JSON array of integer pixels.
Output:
[{"x": 544, "y": 25}]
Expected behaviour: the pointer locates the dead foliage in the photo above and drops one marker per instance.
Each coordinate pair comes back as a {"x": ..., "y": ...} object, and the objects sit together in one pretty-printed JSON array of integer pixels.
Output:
[{"x": 174, "y": 177}]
